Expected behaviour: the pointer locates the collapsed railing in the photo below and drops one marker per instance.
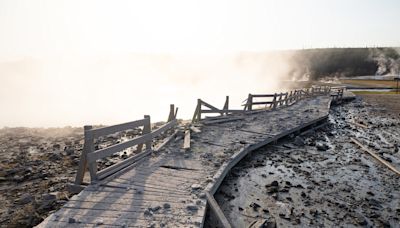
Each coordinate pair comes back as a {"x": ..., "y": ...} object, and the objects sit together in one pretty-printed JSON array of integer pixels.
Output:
[
  {"x": 270, "y": 101},
  {"x": 90, "y": 155}
]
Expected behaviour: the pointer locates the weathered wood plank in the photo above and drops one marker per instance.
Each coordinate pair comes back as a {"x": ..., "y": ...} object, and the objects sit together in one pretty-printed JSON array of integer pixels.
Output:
[
  {"x": 118, "y": 203},
  {"x": 164, "y": 127},
  {"x": 161, "y": 172},
  {"x": 71, "y": 212},
  {"x": 263, "y": 102},
  {"x": 122, "y": 164},
  {"x": 136, "y": 190},
  {"x": 186, "y": 141},
  {"x": 133, "y": 195},
  {"x": 159, "y": 187},
  {"x": 115, "y": 196},
  {"x": 117, "y": 128},
  {"x": 209, "y": 106},
  {"x": 154, "y": 180},
  {"x": 98, "y": 154},
  {"x": 126, "y": 220},
  {"x": 157, "y": 176},
  {"x": 124, "y": 207}
]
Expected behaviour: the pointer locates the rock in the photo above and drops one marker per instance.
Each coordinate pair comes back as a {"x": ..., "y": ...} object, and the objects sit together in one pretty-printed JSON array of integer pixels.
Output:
[
  {"x": 274, "y": 183},
  {"x": 25, "y": 198},
  {"x": 148, "y": 213},
  {"x": 299, "y": 141},
  {"x": 195, "y": 187},
  {"x": 155, "y": 209},
  {"x": 192, "y": 207},
  {"x": 360, "y": 220},
  {"x": 202, "y": 195},
  {"x": 50, "y": 196},
  {"x": 322, "y": 146},
  {"x": 167, "y": 206},
  {"x": 255, "y": 206},
  {"x": 71, "y": 220}
]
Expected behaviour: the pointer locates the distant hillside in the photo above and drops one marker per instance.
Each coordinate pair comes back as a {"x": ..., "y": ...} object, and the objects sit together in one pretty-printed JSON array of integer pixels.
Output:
[{"x": 349, "y": 62}]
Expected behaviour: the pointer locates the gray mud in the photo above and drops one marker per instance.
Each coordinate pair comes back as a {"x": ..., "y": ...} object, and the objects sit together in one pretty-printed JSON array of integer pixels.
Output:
[{"x": 320, "y": 179}]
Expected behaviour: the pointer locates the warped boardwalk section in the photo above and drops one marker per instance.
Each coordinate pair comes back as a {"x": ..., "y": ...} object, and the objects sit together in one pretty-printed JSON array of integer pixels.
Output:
[{"x": 168, "y": 187}]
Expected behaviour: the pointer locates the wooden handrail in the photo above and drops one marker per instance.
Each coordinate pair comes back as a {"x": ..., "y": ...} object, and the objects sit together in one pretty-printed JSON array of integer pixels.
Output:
[
  {"x": 90, "y": 156},
  {"x": 278, "y": 99}
]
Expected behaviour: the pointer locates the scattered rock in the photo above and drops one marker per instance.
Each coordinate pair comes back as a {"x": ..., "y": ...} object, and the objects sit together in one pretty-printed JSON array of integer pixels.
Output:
[
  {"x": 255, "y": 206},
  {"x": 322, "y": 146},
  {"x": 299, "y": 141},
  {"x": 25, "y": 198},
  {"x": 192, "y": 207},
  {"x": 71, "y": 220},
  {"x": 196, "y": 186}
]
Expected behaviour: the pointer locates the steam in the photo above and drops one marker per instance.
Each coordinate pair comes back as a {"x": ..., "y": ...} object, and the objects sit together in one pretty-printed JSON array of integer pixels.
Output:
[
  {"x": 109, "y": 89},
  {"x": 387, "y": 64}
]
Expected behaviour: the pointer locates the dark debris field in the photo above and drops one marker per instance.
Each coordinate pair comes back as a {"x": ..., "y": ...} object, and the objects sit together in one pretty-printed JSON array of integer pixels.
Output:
[{"x": 321, "y": 179}]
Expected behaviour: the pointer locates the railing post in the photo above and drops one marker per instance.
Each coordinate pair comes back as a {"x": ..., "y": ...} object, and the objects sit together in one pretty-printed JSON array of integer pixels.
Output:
[
  {"x": 176, "y": 113},
  {"x": 226, "y": 106},
  {"x": 89, "y": 148},
  {"x": 82, "y": 161},
  {"x": 147, "y": 130},
  {"x": 197, "y": 112},
  {"x": 171, "y": 115},
  {"x": 274, "y": 102},
  {"x": 250, "y": 102},
  {"x": 286, "y": 98}
]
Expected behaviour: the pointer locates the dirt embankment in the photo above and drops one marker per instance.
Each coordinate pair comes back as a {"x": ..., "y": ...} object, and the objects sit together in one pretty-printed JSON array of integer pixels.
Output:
[{"x": 322, "y": 179}]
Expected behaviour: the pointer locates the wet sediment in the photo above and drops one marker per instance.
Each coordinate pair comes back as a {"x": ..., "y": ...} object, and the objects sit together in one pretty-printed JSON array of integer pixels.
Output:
[{"x": 320, "y": 179}]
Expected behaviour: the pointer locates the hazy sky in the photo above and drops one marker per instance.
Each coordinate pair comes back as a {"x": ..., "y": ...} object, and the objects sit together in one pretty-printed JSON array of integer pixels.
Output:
[
  {"x": 92, "y": 62},
  {"x": 87, "y": 27}
]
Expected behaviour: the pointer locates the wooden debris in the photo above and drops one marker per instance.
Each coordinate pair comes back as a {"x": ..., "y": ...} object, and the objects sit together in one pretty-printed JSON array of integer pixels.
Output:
[
  {"x": 186, "y": 141},
  {"x": 387, "y": 164},
  {"x": 195, "y": 129},
  {"x": 222, "y": 121}
]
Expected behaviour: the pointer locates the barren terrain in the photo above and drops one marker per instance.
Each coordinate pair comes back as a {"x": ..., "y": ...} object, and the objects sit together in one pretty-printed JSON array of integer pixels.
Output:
[{"x": 321, "y": 179}]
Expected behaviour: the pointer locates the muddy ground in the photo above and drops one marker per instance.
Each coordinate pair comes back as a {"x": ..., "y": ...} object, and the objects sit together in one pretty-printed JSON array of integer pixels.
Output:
[{"x": 321, "y": 179}]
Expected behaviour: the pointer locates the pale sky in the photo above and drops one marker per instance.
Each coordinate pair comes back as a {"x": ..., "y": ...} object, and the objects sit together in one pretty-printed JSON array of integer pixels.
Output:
[
  {"x": 106, "y": 62},
  {"x": 48, "y": 27}
]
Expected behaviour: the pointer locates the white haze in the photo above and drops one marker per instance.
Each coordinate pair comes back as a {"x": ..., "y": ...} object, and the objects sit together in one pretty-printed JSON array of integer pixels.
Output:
[{"x": 74, "y": 91}]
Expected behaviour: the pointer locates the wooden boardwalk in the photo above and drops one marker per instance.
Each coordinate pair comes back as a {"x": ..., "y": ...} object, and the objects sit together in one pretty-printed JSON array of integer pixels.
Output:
[{"x": 167, "y": 188}]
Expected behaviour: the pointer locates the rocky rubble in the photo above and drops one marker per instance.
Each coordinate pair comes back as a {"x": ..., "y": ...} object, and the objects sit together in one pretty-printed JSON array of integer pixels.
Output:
[
  {"x": 36, "y": 164},
  {"x": 320, "y": 179}
]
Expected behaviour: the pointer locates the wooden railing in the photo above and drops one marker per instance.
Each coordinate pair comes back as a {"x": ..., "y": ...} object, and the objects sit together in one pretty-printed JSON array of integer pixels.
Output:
[
  {"x": 337, "y": 93},
  {"x": 270, "y": 101},
  {"x": 224, "y": 111},
  {"x": 90, "y": 155}
]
